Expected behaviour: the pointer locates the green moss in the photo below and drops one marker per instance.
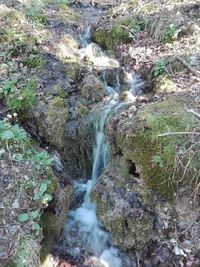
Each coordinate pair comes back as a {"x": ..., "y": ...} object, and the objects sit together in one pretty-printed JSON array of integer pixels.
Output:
[
  {"x": 118, "y": 34},
  {"x": 52, "y": 182},
  {"x": 72, "y": 71},
  {"x": 35, "y": 61},
  {"x": 51, "y": 232},
  {"x": 109, "y": 39},
  {"x": 60, "y": 92},
  {"x": 102, "y": 207},
  {"x": 92, "y": 88},
  {"x": 82, "y": 110},
  {"x": 56, "y": 117},
  {"x": 145, "y": 147}
]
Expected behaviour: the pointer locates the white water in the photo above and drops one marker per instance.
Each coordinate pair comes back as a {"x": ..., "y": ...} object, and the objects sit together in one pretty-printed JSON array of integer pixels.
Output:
[{"x": 83, "y": 230}]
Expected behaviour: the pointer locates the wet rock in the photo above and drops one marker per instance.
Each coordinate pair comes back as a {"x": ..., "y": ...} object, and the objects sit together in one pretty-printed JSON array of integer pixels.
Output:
[
  {"x": 53, "y": 219},
  {"x": 114, "y": 77},
  {"x": 49, "y": 121},
  {"x": 122, "y": 206},
  {"x": 92, "y": 88},
  {"x": 77, "y": 147},
  {"x": 74, "y": 71}
]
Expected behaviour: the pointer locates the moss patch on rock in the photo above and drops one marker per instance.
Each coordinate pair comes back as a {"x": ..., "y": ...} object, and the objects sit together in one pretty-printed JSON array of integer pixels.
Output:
[
  {"x": 92, "y": 88},
  {"x": 154, "y": 155},
  {"x": 56, "y": 117},
  {"x": 120, "y": 33},
  {"x": 120, "y": 205},
  {"x": 164, "y": 84}
]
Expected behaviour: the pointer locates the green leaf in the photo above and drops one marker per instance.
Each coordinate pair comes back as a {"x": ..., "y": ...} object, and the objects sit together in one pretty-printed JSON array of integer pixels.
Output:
[
  {"x": 48, "y": 197},
  {"x": 38, "y": 195},
  {"x": 158, "y": 160},
  {"x": 23, "y": 217},
  {"x": 34, "y": 214},
  {"x": 7, "y": 135},
  {"x": 36, "y": 226},
  {"x": 43, "y": 187}
]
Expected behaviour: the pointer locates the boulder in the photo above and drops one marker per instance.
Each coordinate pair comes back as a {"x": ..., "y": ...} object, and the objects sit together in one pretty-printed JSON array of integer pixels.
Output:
[
  {"x": 92, "y": 88},
  {"x": 124, "y": 205}
]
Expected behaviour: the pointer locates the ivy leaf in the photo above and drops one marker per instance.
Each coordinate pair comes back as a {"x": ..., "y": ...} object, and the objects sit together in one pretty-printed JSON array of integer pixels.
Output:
[
  {"x": 43, "y": 187},
  {"x": 7, "y": 135},
  {"x": 23, "y": 217}
]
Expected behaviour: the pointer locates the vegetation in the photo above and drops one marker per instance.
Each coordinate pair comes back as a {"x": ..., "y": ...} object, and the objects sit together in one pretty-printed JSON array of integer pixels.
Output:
[
  {"x": 121, "y": 32},
  {"x": 18, "y": 93},
  {"x": 35, "y": 183},
  {"x": 155, "y": 153}
]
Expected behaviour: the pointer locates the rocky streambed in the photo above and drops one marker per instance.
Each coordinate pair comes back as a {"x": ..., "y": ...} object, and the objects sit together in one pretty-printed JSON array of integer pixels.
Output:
[
  {"x": 125, "y": 152},
  {"x": 131, "y": 212}
]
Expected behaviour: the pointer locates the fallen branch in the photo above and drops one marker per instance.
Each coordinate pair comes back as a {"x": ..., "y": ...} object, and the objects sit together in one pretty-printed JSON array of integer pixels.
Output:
[
  {"x": 178, "y": 133},
  {"x": 187, "y": 65}
]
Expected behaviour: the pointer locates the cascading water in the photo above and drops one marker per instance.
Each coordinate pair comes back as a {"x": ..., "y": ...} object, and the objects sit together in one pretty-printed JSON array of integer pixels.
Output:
[{"x": 83, "y": 231}]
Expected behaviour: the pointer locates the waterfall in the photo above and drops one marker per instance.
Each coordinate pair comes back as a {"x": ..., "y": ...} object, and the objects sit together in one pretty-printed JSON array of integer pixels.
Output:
[{"x": 83, "y": 230}]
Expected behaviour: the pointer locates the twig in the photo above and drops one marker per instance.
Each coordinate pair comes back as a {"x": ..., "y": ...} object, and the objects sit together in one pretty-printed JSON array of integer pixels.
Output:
[
  {"x": 178, "y": 133},
  {"x": 193, "y": 112},
  {"x": 187, "y": 65}
]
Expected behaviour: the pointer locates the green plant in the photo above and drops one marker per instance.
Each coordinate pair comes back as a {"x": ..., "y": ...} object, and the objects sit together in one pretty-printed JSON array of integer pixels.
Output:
[
  {"x": 158, "y": 160},
  {"x": 18, "y": 93},
  {"x": 31, "y": 216},
  {"x": 168, "y": 34},
  {"x": 11, "y": 133},
  {"x": 160, "y": 66},
  {"x": 41, "y": 193},
  {"x": 40, "y": 159},
  {"x": 21, "y": 254},
  {"x": 33, "y": 10},
  {"x": 137, "y": 25},
  {"x": 34, "y": 61}
]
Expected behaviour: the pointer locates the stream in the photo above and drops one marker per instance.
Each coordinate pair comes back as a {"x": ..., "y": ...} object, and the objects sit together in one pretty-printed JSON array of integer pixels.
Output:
[{"x": 84, "y": 234}]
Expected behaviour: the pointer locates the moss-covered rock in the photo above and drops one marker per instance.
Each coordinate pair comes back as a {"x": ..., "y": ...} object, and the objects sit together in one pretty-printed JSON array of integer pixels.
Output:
[
  {"x": 154, "y": 155},
  {"x": 122, "y": 204},
  {"x": 92, "y": 88},
  {"x": 53, "y": 220},
  {"x": 50, "y": 120},
  {"x": 67, "y": 48},
  {"x": 73, "y": 71},
  {"x": 110, "y": 38},
  {"x": 119, "y": 33},
  {"x": 56, "y": 118},
  {"x": 164, "y": 84}
]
